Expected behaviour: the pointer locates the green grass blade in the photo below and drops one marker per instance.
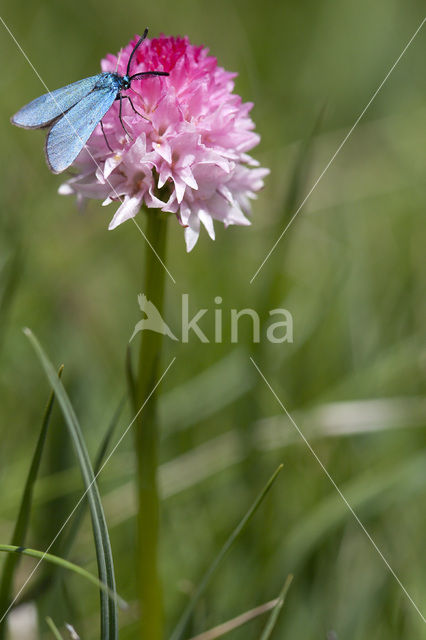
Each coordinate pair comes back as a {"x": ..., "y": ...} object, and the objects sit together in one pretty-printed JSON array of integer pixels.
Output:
[
  {"x": 301, "y": 170},
  {"x": 273, "y": 286},
  {"x": 130, "y": 376},
  {"x": 9, "y": 279},
  {"x": 276, "y": 610},
  {"x": 46, "y": 581},
  {"x": 64, "y": 564},
  {"x": 181, "y": 625},
  {"x": 100, "y": 456},
  {"x": 106, "y": 441},
  {"x": 371, "y": 493},
  {"x": 54, "y": 629},
  {"x": 24, "y": 513},
  {"x": 109, "y": 621}
]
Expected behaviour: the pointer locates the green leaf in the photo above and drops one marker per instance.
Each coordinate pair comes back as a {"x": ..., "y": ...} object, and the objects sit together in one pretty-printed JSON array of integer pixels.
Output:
[
  {"x": 54, "y": 629},
  {"x": 109, "y": 620},
  {"x": 22, "y": 521},
  {"x": 181, "y": 625},
  {"x": 65, "y": 564},
  {"x": 276, "y": 610}
]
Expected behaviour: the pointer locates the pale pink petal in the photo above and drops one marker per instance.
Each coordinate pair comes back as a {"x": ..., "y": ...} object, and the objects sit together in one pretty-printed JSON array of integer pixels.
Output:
[
  {"x": 207, "y": 221},
  {"x": 152, "y": 201},
  {"x": 111, "y": 163},
  {"x": 65, "y": 189},
  {"x": 180, "y": 188},
  {"x": 164, "y": 150},
  {"x": 188, "y": 177},
  {"x": 128, "y": 209},
  {"x": 192, "y": 232}
]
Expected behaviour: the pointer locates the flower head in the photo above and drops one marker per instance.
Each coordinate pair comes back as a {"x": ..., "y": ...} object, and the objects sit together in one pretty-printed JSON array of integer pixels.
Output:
[{"x": 186, "y": 152}]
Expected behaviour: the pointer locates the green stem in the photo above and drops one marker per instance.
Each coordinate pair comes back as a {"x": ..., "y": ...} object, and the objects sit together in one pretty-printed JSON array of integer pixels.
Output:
[{"x": 150, "y": 591}]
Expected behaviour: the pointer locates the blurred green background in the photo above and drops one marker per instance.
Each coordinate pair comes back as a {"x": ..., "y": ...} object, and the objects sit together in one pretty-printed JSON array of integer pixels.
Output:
[{"x": 350, "y": 270}]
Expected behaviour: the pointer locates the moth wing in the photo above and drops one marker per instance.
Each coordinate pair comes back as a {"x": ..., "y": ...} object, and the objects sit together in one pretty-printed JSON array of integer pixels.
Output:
[
  {"x": 68, "y": 136},
  {"x": 43, "y": 110}
]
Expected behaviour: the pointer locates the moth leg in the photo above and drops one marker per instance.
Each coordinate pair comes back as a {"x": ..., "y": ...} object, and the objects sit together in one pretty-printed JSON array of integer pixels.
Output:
[
  {"x": 135, "y": 110},
  {"x": 106, "y": 139},
  {"x": 121, "y": 119}
]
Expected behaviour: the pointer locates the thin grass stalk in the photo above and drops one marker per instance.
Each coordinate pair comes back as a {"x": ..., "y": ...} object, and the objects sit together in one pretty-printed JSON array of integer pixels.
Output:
[
  {"x": 180, "y": 628},
  {"x": 22, "y": 521}
]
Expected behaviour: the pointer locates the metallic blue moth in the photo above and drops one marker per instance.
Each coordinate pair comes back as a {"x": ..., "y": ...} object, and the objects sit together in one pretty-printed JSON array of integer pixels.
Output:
[{"x": 73, "y": 112}]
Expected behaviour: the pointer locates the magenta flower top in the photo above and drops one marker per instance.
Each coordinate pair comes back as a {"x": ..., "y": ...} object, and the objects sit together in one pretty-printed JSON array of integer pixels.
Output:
[{"x": 188, "y": 155}]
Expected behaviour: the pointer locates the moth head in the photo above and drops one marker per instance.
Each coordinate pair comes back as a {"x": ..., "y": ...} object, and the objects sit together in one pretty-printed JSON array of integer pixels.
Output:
[{"x": 125, "y": 82}]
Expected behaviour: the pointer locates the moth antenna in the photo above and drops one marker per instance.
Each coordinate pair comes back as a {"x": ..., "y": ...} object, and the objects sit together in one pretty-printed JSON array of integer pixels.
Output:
[{"x": 145, "y": 33}]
